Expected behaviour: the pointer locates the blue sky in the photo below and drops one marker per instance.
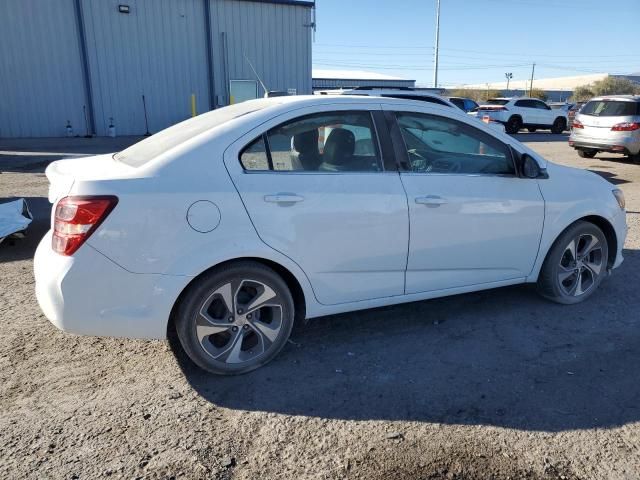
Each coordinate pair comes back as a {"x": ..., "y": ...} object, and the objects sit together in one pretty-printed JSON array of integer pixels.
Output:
[{"x": 480, "y": 40}]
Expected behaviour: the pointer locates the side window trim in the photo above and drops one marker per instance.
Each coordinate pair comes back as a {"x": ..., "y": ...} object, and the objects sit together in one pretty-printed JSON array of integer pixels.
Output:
[
  {"x": 402, "y": 155},
  {"x": 265, "y": 140}
]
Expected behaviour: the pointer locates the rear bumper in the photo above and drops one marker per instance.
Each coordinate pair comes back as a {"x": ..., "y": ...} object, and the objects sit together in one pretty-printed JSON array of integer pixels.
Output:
[
  {"x": 88, "y": 294},
  {"x": 629, "y": 145}
]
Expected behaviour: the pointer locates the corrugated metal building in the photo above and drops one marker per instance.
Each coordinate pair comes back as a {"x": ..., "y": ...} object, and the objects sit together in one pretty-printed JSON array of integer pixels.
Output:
[
  {"x": 332, "y": 79},
  {"x": 90, "y": 62}
]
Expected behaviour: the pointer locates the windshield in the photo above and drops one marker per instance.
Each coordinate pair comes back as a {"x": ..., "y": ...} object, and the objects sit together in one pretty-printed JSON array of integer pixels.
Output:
[
  {"x": 497, "y": 101},
  {"x": 609, "y": 108},
  {"x": 149, "y": 148}
]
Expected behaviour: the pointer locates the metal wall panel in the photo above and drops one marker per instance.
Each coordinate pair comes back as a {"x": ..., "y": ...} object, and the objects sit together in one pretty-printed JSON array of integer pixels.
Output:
[
  {"x": 276, "y": 39},
  {"x": 157, "y": 50},
  {"x": 41, "y": 82}
]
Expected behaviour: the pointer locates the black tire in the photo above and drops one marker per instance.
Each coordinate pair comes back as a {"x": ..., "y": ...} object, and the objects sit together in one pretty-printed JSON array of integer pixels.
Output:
[
  {"x": 634, "y": 158},
  {"x": 249, "y": 280},
  {"x": 513, "y": 125},
  {"x": 558, "y": 265},
  {"x": 532, "y": 129},
  {"x": 587, "y": 153},
  {"x": 559, "y": 125}
]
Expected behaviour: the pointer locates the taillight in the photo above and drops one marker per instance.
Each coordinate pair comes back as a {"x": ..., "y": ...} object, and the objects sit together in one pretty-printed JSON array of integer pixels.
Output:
[
  {"x": 626, "y": 127},
  {"x": 577, "y": 124},
  {"x": 76, "y": 218}
]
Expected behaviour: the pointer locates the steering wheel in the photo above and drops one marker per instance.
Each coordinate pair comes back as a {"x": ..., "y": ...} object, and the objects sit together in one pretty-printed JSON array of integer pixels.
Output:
[{"x": 418, "y": 162}]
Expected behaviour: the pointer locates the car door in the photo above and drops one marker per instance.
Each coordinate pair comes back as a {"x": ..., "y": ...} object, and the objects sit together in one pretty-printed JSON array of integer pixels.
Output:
[
  {"x": 530, "y": 114},
  {"x": 315, "y": 186},
  {"x": 473, "y": 221},
  {"x": 546, "y": 115}
]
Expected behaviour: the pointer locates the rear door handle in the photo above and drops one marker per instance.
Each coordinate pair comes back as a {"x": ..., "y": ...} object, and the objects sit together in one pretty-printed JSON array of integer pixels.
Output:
[
  {"x": 431, "y": 200},
  {"x": 283, "y": 198}
]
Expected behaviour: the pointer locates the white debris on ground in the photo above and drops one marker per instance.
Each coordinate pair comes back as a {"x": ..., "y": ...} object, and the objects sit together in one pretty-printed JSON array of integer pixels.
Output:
[{"x": 15, "y": 217}]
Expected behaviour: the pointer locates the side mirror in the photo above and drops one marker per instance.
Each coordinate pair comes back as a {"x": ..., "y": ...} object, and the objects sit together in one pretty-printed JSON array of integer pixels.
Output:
[{"x": 528, "y": 167}]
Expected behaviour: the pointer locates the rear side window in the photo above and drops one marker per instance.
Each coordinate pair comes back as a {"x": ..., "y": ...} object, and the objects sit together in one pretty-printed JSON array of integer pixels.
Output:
[
  {"x": 326, "y": 142},
  {"x": 610, "y": 108},
  {"x": 524, "y": 104}
]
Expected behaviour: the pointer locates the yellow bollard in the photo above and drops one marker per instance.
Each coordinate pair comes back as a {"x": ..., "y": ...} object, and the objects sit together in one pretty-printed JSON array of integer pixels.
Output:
[{"x": 193, "y": 105}]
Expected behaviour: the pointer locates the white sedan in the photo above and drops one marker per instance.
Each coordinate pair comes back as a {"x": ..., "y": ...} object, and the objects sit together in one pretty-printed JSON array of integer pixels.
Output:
[{"x": 232, "y": 225}]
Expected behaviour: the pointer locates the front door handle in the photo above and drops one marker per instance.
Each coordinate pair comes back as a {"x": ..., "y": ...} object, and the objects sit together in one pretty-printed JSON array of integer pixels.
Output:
[
  {"x": 283, "y": 198},
  {"x": 431, "y": 200}
]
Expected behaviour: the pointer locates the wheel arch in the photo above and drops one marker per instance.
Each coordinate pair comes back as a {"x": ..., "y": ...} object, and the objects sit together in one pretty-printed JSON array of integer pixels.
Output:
[
  {"x": 297, "y": 292},
  {"x": 603, "y": 224}
]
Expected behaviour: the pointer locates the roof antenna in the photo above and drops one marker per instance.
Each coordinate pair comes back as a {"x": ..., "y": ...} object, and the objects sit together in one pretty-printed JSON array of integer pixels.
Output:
[{"x": 264, "y": 87}]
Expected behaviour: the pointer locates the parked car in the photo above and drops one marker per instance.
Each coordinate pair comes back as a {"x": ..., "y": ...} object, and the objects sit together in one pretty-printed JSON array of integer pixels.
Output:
[
  {"x": 564, "y": 106},
  {"x": 571, "y": 114},
  {"x": 519, "y": 112},
  {"x": 230, "y": 226},
  {"x": 408, "y": 93},
  {"x": 465, "y": 104},
  {"x": 608, "y": 124}
]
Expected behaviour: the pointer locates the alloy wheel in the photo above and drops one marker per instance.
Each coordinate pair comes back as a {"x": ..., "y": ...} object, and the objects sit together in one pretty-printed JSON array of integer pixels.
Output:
[
  {"x": 240, "y": 321},
  {"x": 580, "y": 265}
]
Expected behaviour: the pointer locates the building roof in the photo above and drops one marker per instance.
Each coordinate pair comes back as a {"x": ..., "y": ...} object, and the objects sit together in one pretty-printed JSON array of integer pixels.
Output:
[
  {"x": 319, "y": 73},
  {"x": 559, "y": 83},
  {"x": 301, "y": 3}
]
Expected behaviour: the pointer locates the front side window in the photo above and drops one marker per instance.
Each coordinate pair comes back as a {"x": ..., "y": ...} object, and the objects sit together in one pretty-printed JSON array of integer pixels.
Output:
[
  {"x": 326, "y": 142},
  {"x": 438, "y": 144}
]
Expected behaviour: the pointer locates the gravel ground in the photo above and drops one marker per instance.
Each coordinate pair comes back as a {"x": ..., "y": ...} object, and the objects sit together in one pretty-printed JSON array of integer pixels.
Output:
[{"x": 497, "y": 384}]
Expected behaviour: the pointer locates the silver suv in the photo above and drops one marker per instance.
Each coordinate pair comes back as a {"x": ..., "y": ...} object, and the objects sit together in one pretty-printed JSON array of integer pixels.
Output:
[{"x": 608, "y": 124}]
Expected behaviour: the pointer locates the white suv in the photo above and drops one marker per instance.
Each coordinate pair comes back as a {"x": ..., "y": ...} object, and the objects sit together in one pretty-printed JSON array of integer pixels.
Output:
[{"x": 516, "y": 113}]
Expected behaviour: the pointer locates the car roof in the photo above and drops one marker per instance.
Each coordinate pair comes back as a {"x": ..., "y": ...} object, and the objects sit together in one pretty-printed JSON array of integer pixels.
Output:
[{"x": 630, "y": 98}]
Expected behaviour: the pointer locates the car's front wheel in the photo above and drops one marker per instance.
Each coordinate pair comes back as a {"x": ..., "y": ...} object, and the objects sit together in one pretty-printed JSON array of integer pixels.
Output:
[
  {"x": 236, "y": 318},
  {"x": 576, "y": 264}
]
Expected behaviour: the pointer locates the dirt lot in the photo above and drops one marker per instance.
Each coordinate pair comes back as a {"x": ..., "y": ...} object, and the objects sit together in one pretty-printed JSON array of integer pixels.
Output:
[{"x": 498, "y": 384}]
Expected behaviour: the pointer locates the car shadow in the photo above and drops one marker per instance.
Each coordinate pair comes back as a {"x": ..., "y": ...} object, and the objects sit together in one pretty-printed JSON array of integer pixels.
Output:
[
  {"x": 501, "y": 357},
  {"x": 15, "y": 249},
  {"x": 537, "y": 137},
  {"x": 610, "y": 177}
]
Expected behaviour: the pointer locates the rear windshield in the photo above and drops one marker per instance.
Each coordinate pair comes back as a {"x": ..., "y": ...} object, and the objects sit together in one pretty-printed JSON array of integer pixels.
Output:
[
  {"x": 496, "y": 101},
  {"x": 149, "y": 148},
  {"x": 610, "y": 108}
]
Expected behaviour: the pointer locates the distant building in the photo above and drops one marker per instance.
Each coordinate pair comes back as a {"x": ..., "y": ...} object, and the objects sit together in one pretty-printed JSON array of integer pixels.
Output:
[
  {"x": 557, "y": 89},
  {"x": 333, "y": 79}
]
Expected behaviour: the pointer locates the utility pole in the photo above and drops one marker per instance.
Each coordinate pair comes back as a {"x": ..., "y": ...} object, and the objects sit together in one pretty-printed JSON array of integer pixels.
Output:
[
  {"x": 533, "y": 70},
  {"x": 435, "y": 58},
  {"x": 509, "y": 76}
]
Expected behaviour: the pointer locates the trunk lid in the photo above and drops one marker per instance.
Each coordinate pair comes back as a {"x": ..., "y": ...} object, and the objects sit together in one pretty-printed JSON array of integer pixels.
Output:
[{"x": 63, "y": 174}]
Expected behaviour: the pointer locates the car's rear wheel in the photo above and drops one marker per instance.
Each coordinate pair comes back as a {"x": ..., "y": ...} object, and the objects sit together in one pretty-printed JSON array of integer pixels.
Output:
[
  {"x": 559, "y": 125},
  {"x": 587, "y": 153},
  {"x": 236, "y": 318},
  {"x": 634, "y": 158},
  {"x": 513, "y": 125},
  {"x": 576, "y": 264}
]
